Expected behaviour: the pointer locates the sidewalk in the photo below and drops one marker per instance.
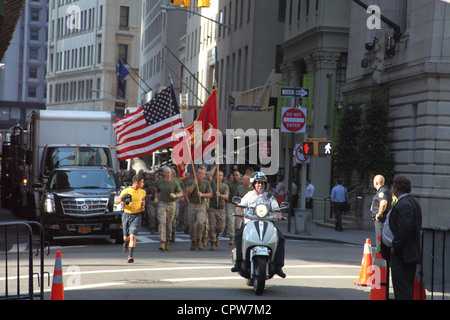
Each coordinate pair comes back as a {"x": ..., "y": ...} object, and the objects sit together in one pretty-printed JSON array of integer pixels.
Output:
[{"x": 318, "y": 233}]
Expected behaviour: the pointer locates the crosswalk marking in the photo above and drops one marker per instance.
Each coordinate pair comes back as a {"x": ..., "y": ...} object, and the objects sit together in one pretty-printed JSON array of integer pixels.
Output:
[{"x": 147, "y": 237}]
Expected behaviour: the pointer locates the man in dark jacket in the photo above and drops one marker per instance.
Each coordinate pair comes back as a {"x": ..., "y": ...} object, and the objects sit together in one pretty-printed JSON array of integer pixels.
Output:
[{"x": 404, "y": 222}]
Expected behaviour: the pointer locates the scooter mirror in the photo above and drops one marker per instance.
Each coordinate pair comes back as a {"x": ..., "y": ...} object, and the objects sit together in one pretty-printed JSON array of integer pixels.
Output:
[
  {"x": 284, "y": 205},
  {"x": 236, "y": 200}
]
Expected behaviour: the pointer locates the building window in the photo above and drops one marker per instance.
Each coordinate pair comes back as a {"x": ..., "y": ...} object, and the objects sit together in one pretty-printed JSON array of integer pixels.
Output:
[
  {"x": 34, "y": 15},
  {"x": 33, "y": 73},
  {"x": 34, "y": 53},
  {"x": 123, "y": 52},
  {"x": 32, "y": 92},
  {"x": 124, "y": 16},
  {"x": 341, "y": 73},
  {"x": 4, "y": 114},
  {"x": 34, "y": 34}
]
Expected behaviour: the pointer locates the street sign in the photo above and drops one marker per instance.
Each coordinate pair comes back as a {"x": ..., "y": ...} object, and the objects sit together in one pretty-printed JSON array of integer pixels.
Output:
[
  {"x": 300, "y": 157},
  {"x": 293, "y": 120},
  {"x": 297, "y": 92}
]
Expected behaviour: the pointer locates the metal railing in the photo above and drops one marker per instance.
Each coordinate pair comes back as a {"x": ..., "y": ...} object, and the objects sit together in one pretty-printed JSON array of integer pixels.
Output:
[
  {"x": 328, "y": 208},
  {"x": 11, "y": 234},
  {"x": 433, "y": 273}
]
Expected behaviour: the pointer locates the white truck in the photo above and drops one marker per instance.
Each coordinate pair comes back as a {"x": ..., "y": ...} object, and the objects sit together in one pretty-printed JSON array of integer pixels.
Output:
[{"x": 63, "y": 138}]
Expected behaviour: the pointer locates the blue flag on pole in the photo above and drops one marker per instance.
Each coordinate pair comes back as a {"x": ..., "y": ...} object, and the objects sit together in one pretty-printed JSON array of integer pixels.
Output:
[{"x": 121, "y": 72}]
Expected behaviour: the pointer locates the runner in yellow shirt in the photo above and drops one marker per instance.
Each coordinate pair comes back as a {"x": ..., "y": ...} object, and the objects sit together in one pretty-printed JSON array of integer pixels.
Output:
[{"x": 131, "y": 217}]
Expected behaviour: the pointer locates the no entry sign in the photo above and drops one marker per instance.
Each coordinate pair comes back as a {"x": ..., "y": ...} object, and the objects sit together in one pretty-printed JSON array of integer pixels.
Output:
[
  {"x": 293, "y": 120},
  {"x": 299, "y": 155}
]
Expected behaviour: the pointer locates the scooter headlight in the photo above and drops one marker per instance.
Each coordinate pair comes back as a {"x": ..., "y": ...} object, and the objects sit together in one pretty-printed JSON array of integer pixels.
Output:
[{"x": 261, "y": 210}]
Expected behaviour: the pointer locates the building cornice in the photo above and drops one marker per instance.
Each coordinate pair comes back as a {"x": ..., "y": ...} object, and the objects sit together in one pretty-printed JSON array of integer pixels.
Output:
[{"x": 398, "y": 73}]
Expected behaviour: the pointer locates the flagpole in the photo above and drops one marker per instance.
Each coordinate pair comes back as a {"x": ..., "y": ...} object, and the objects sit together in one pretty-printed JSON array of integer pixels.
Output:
[
  {"x": 132, "y": 69},
  {"x": 159, "y": 56},
  {"x": 189, "y": 145},
  {"x": 217, "y": 157},
  {"x": 184, "y": 66}
]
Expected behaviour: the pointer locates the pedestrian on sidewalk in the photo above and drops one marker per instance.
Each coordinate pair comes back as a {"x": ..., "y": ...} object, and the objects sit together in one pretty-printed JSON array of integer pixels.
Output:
[
  {"x": 309, "y": 194},
  {"x": 131, "y": 217},
  {"x": 401, "y": 232},
  {"x": 168, "y": 190},
  {"x": 339, "y": 199},
  {"x": 381, "y": 204}
]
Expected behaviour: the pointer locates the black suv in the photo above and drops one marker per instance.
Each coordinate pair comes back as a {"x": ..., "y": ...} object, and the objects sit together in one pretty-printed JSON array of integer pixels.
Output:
[{"x": 80, "y": 201}]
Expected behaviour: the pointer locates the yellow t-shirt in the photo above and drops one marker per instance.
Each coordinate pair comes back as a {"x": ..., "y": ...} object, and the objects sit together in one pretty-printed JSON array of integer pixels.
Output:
[{"x": 137, "y": 196}]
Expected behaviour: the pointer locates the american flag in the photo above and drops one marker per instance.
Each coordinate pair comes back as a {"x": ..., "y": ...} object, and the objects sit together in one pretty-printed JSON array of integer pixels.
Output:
[{"x": 149, "y": 128}]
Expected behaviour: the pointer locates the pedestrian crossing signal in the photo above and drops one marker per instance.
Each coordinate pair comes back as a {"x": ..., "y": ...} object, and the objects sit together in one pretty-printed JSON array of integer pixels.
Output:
[
  {"x": 317, "y": 148},
  {"x": 325, "y": 148},
  {"x": 308, "y": 148}
]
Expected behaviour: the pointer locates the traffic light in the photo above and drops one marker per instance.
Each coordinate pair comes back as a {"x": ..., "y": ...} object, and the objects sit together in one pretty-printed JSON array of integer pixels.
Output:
[
  {"x": 325, "y": 148},
  {"x": 203, "y": 3},
  {"x": 308, "y": 148},
  {"x": 182, "y": 3}
]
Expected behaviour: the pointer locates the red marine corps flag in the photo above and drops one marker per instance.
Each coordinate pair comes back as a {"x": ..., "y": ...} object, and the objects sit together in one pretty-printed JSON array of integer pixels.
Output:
[
  {"x": 201, "y": 136},
  {"x": 150, "y": 127}
]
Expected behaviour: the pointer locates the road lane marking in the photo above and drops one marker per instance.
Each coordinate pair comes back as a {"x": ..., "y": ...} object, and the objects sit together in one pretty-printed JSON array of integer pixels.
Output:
[
  {"x": 186, "y": 268},
  {"x": 240, "y": 278}
]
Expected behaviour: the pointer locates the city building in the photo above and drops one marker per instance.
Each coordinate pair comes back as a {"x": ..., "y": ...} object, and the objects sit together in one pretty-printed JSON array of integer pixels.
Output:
[
  {"x": 257, "y": 29},
  {"x": 86, "y": 41},
  {"x": 160, "y": 38},
  {"x": 405, "y": 51},
  {"x": 23, "y": 84},
  {"x": 199, "y": 71},
  {"x": 315, "y": 51}
]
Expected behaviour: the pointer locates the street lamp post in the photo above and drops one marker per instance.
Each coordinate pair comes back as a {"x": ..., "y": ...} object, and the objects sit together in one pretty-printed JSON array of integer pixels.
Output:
[{"x": 230, "y": 70}]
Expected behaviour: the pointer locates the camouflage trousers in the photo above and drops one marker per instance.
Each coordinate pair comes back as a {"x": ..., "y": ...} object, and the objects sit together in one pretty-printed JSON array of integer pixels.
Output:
[
  {"x": 166, "y": 214},
  {"x": 197, "y": 217},
  {"x": 217, "y": 219}
]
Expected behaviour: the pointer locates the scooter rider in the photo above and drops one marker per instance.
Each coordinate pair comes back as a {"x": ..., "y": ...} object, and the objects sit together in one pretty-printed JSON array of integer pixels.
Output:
[{"x": 258, "y": 181}]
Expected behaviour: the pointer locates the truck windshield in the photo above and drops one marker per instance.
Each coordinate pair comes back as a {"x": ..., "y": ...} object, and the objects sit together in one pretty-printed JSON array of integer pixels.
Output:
[
  {"x": 101, "y": 179},
  {"x": 56, "y": 157}
]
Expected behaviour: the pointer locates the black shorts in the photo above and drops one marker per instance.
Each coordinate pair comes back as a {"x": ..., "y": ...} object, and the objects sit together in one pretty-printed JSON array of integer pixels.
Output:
[{"x": 131, "y": 222}]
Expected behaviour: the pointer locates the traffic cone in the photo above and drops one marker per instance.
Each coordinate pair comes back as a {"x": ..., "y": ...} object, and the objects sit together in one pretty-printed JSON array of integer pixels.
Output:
[
  {"x": 419, "y": 291},
  {"x": 57, "y": 286},
  {"x": 378, "y": 290},
  {"x": 366, "y": 265}
]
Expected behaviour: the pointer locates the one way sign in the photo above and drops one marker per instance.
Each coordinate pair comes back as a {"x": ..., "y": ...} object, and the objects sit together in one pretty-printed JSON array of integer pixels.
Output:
[{"x": 297, "y": 92}]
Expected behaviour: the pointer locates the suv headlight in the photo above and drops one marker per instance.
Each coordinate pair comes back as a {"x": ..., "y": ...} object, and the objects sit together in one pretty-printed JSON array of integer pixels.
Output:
[
  {"x": 49, "y": 203},
  {"x": 261, "y": 210}
]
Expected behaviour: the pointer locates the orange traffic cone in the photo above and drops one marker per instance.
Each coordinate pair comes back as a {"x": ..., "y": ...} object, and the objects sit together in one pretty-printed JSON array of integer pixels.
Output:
[
  {"x": 57, "y": 286},
  {"x": 366, "y": 265},
  {"x": 419, "y": 291},
  {"x": 378, "y": 290}
]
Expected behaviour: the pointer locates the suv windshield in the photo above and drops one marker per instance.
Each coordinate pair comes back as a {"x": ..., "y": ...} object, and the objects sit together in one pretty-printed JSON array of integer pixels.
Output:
[
  {"x": 76, "y": 156},
  {"x": 102, "y": 179}
]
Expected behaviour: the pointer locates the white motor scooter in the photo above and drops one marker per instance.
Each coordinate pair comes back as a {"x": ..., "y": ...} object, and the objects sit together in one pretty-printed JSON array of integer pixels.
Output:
[{"x": 259, "y": 242}]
